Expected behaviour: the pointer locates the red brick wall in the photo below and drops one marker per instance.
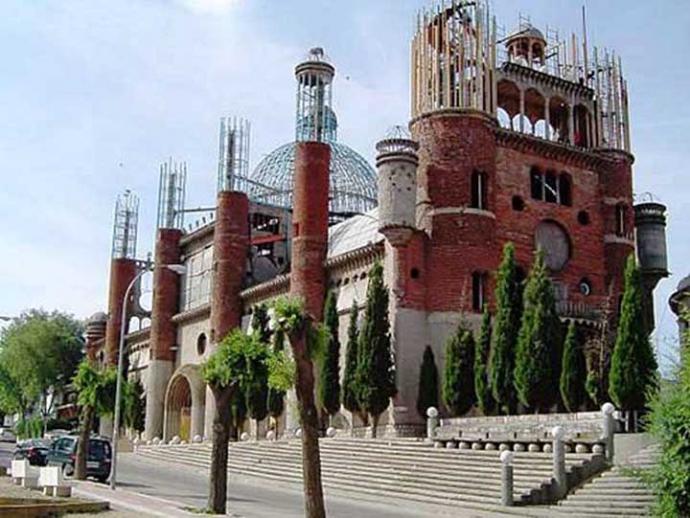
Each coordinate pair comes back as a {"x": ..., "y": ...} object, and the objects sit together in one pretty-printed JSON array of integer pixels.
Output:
[
  {"x": 310, "y": 225},
  {"x": 122, "y": 272},
  {"x": 617, "y": 185},
  {"x": 455, "y": 144},
  {"x": 452, "y": 146},
  {"x": 166, "y": 294},
  {"x": 230, "y": 250},
  {"x": 587, "y": 241}
]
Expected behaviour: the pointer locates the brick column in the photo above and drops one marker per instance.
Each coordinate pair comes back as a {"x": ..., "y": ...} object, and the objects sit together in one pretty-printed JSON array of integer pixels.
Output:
[
  {"x": 230, "y": 252},
  {"x": 310, "y": 225},
  {"x": 122, "y": 272},
  {"x": 166, "y": 293}
]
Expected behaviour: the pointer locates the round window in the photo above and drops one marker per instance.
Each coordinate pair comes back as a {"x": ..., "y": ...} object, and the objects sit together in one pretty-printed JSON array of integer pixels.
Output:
[
  {"x": 554, "y": 241},
  {"x": 201, "y": 344}
]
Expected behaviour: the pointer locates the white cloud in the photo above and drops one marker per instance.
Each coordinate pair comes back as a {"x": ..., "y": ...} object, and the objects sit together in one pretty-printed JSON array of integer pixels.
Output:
[{"x": 208, "y": 6}]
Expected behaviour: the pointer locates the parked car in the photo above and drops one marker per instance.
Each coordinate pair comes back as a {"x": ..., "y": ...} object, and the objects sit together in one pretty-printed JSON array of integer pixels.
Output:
[
  {"x": 52, "y": 435},
  {"x": 7, "y": 435},
  {"x": 63, "y": 453},
  {"x": 34, "y": 450}
]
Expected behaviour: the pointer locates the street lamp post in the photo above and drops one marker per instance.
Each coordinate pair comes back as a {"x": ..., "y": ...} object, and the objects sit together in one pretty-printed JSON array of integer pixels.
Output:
[{"x": 178, "y": 269}]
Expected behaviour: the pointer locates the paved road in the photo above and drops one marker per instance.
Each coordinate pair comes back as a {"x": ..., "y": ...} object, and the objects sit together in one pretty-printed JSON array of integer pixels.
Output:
[
  {"x": 260, "y": 499},
  {"x": 252, "y": 498}
]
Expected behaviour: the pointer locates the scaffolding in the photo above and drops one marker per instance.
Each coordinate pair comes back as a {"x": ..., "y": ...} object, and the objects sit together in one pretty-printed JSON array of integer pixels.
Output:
[
  {"x": 171, "y": 194},
  {"x": 454, "y": 58},
  {"x": 315, "y": 116},
  {"x": 459, "y": 48},
  {"x": 125, "y": 226},
  {"x": 233, "y": 156}
]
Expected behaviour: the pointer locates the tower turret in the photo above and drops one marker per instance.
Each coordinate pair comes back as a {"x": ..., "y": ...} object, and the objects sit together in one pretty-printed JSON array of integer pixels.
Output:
[
  {"x": 316, "y": 121},
  {"x": 397, "y": 176}
]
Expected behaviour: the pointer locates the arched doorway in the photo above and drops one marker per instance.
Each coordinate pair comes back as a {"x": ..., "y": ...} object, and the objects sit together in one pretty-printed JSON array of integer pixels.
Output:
[
  {"x": 179, "y": 409},
  {"x": 184, "y": 404}
]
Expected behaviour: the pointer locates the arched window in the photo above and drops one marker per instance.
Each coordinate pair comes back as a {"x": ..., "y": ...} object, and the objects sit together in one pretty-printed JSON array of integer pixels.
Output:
[
  {"x": 551, "y": 187},
  {"x": 536, "y": 184},
  {"x": 565, "y": 196},
  {"x": 620, "y": 220},
  {"x": 478, "y": 195},
  {"x": 478, "y": 291},
  {"x": 201, "y": 344}
]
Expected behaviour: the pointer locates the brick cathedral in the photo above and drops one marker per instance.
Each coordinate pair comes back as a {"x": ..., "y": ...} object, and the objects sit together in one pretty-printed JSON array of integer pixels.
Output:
[{"x": 515, "y": 136}]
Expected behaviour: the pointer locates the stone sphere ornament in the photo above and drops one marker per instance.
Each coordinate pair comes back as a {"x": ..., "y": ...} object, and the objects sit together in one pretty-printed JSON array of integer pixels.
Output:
[
  {"x": 607, "y": 408},
  {"x": 507, "y": 457},
  {"x": 557, "y": 432},
  {"x": 270, "y": 435},
  {"x": 431, "y": 412},
  {"x": 298, "y": 433},
  {"x": 197, "y": 438},
  {"x": 330, "y": 432},
  {"x": 244, "y": 437}
]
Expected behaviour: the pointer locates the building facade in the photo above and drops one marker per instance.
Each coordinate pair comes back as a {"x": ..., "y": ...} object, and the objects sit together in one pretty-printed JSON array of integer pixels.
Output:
[{"x": 513, "y": 138}]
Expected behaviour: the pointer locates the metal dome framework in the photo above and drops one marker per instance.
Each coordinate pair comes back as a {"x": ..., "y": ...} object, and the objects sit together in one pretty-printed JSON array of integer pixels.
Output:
[{"x": 352, "y": 180}]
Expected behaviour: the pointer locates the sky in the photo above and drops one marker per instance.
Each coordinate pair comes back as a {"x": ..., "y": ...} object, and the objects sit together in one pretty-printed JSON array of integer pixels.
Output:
[{"x": 95, "y": 94}]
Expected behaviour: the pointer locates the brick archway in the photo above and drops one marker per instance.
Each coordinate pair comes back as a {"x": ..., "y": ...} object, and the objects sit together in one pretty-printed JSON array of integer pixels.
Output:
[{"x": 184, "y": 404}]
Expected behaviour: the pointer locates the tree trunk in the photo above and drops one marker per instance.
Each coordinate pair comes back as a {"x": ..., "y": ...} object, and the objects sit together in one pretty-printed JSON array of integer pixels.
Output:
[
  {"x": 83, "y": 443},
  {"x": 311, "y": 458},
  {"x": 374, "y": 425},
  {"x": 218, "y": 475}
]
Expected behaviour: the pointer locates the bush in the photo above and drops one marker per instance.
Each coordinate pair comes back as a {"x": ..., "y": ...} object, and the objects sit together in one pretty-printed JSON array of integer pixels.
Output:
[
  {"x": 458, "y": 380},
  {"x": 669, "y": 423},
  {"x": 427, "y": 395}
]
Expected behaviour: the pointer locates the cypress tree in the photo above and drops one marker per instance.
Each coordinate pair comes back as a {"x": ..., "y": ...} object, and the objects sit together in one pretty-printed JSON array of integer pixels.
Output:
[
  {"x": 536, "y": 380},
  {"x": 482, "y": 391},
  {"x": 458, "y": 380},
  {"x": 349, "y": 392},
  {"x": 329, "y": 374},
  {"x": 633, "y": 365},
  {"x": 276, "y": 398},
  {"x": 375, "y": 373},
  {"x": 427, "y": 395},
  {"x": 505, "y": 332},
  {"x": 573, "y": 372}
]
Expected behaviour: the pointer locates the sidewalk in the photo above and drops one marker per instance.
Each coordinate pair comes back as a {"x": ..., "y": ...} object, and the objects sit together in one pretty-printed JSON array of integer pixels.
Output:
[{"x": 124, "y": 500}]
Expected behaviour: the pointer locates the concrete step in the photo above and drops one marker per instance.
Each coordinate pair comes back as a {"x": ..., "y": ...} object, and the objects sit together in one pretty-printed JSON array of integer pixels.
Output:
[{"x": 448, "y": 480}]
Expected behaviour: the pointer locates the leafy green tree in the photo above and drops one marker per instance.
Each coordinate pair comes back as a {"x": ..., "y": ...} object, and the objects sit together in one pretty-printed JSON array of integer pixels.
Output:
[
  {"x": 633, "y": 365},
  {"x": 505, "y": 332},
  {"x": 135, "y": 409},
  {"x": 350, "y": 401},
  {"x": 228, "y": 371},
  {"x": 536, "y": 379},
  {"x": 458, "y": 377},
  {"x": 329, "y": 373},
  {"x": 276, "y": 397},
  {"x": 669, "y": 423},
  {"x": 39, "y": 354},
  {"x": 427, "y": 396},
  {"x": 482, "y": 390},
  {"x": 308, "y": 341},
  {"x": 573, "y": 372},
  {"x": 256, "y": 391},
  {"x": 375, "y": 374},
  {"x": 96, "y": 397}
]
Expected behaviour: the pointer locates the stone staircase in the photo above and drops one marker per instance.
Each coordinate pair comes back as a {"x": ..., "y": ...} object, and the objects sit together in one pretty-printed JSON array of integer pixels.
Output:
[
  {"x": 401, "y": 469},
  {"x": 616, "y": 492}
]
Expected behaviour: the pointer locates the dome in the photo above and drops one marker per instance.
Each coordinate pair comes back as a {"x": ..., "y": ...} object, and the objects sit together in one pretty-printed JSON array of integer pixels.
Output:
[
  {"x": 97, "y": 318},
  {"x": 527, "y": 31},
  {"x": 352, "y": 182}
]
